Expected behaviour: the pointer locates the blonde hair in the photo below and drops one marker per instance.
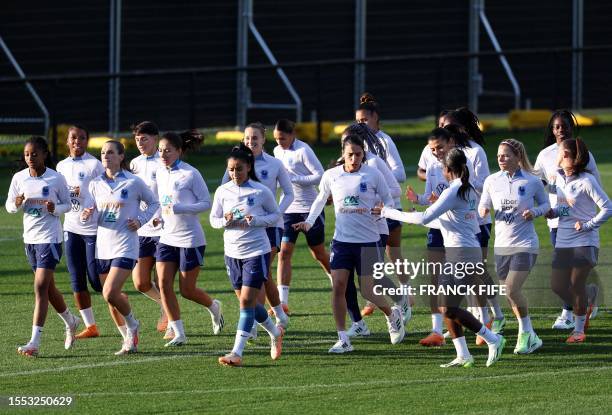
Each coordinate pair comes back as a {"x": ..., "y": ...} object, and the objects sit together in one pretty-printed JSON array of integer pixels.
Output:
[{"x": 519, "y": 150}]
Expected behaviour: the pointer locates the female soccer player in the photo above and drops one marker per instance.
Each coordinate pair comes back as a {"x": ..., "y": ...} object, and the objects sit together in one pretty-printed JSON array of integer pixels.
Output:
[
  {"x": 43, "y": 196},
  {"x": 577, "y": 245},
  {"x": 271, "y": 173},
  {"x": 468, "y": 137},
  {"x": 355, "y": 189},
  {"x": 79, "y": 168},
  {"x": 455, "y": 210},
  {"x": 512, "y": 193},
  {"x": 115, "y": 199},
  {"x": 368, "y": 113},
  {"x": 426, "y": 156},
  {"x": 183, "y": 195},
  {"x": 359, "y": 326},
  {"x": 145, "y": 166},
  {"x": 245, "y": 208},
  {"x": 440, "y": 142},
  {"x": 561, "y": 126},
  {"x": 305, "y": 173}
]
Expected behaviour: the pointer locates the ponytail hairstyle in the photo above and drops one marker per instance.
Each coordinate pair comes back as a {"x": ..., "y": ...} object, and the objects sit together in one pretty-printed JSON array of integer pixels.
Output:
[
  {"x": 145, "y": 127},
  {"x": 245, "y": 154},
  {"x": 258, "y": 126},
  {"x": 186, "y": 141},
  {"x": 41, "y": 145},
  {"x": 367, "y": 102},
  {"x": 518, "y": 149},
  {"x": 567, "y": 117},
  {"x": 456, "y": 162},
  {"x": 371, "y": 141},
  {"x": 579, "y": 153},
  {"x": 469, "y": 121},
  {"x": 442, "y": 114},
  {"x": 120, "y": 150},
  {"x": 285, "y": 126},
  {"x": 459, "y": 135}
]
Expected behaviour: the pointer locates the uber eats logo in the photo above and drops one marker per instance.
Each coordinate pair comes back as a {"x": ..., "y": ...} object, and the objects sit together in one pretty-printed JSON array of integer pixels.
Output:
[{"x": 351, "y": 201}]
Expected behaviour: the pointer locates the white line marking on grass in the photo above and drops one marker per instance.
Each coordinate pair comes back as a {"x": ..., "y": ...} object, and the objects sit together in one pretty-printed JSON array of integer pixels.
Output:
[
  {"x": 127, "y": 361},
  {"x": 395, "y": 382}
]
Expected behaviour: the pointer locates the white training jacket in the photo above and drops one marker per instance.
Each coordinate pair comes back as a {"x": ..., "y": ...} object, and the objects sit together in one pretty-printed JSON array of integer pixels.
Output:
[
  {"x": 183, "y": 195},
  {"x": 78, "y": 172},
  {"x": 39, "y": 226},
  {"x": 243, "y": 240},
  {"x": 354, "y": 195},
  {"x": 305, "y": 172},
  {"x": 116, "y": 201},
  {"x": 146, "y": 167}
]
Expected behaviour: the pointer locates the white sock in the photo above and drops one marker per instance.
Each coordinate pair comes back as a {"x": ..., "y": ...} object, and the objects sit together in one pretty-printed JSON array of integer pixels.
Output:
[
  {"x": 498, "y": 314},
  {"x": 488, "y": 335},
  {"x": 461, "y": 347},
  {"x": 239, "y": 342},
  {"x": 567, "y": 314},
  {"x": 344, "y": 337},
  {"x": 360, "y": 323},
  {"x": 36, "y": 333},
  {"x": 279, "y": 312},
  {"x": 254, "y": 330},
  {"x": 154, "y": 294},
  {"x": 130, "y": 321},
  {"x": 88, "y": 317},
  {"x": 283, "y": 293},
  {"x": 436, "y": 323},
  {"x": 122, "y": 331},
  {"x": 177, "y": 327},
  {"x": 270, "y": 327},
  {"x": 580, "y": 322},
  {"x": 66, "y": 317},
  {"x": 484, "y": 314},
  {"x": 525, "y": 325}
]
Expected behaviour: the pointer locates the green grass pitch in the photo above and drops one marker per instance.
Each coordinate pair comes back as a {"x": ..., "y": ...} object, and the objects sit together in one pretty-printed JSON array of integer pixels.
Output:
[{"x": 376, "y": 378}]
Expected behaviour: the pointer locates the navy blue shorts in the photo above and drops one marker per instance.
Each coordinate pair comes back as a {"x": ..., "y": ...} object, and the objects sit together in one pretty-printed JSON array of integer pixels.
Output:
[
  {"x": 553, "y": 236},
  {"x": 187, "y": 258},
  {"x": 358, "y": 256},
  {"x": 147, "y": 245},
  {"x": 393, "y": 224},
  {"x": 484, "y": 235},
  {"x": 383, "y": 242},
  {"x": 435, "y": 238},
  {"x": 250, "y": 272},
  {"x": 81, "y": 261},
  {"x": 104, "y": 265},
  {"x": 274, "y": 236},
  {"x": 522, "y": 261},
  {"x": 577, "y": 257},
  {"x": 315, "y": 236},
  {"x": 45, "y": 256}
]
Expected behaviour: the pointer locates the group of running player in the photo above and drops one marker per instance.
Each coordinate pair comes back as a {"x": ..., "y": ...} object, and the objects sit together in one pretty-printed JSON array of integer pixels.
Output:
[{"x": 122, "y": 220}]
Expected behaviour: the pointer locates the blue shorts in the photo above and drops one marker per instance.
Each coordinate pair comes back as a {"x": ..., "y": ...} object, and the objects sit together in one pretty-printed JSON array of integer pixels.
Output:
[
  {"x": 435, "y": 238},
  {"x": 81, "y": 261},
  {"x": 393, "y": 224},
  {"x": 315, "y": 236},
  {"x": 358, "y": 256},
  {"x": 45, "y": 256},
  {"x": 187, "y": 258},
  {"x": 383, "y": 242},
  {"x": 522, "y": 261},
  {"x": 274, "y": 236},
  {"x": 553, "y": 236},
  {"x": 250, "y": 272},
  {"x": 104, "y": 265},
  {"x": 147, "y": 245},
  {"x": 577, "y": 257},
  {"x": 484, "y": 235}
]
